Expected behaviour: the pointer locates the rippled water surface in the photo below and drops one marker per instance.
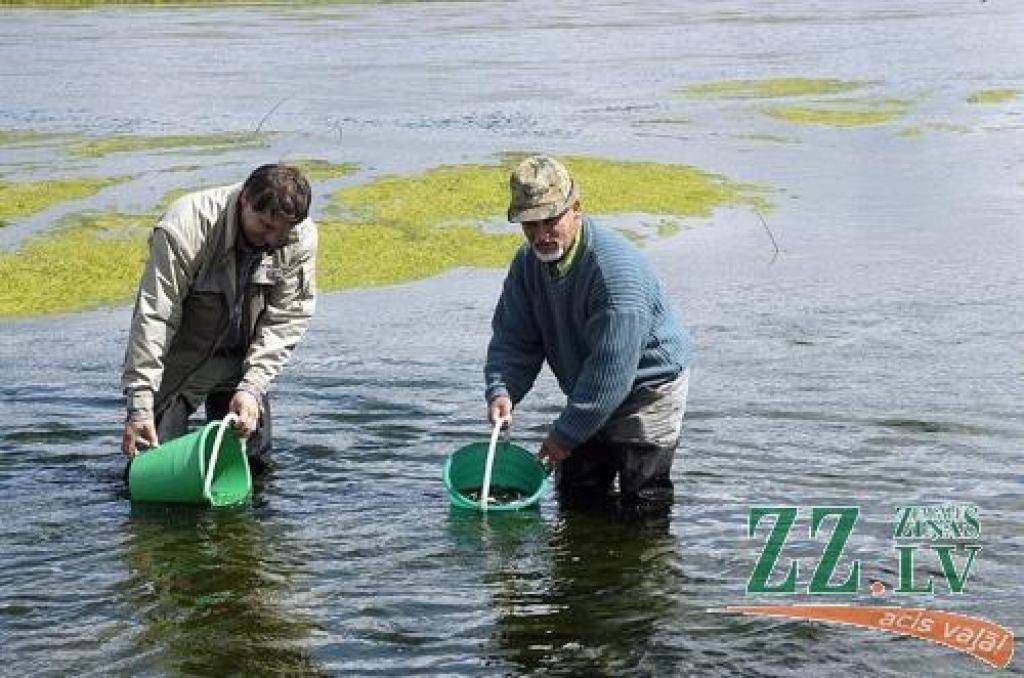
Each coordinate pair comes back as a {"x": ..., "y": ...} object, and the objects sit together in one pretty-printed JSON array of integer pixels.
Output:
[{"x": 874, "y": 362}]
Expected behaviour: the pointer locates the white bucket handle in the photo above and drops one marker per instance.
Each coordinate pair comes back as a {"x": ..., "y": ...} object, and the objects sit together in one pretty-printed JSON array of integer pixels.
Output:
[
  {"x": 208, "y": 472},
  {"x": 485, "y": 490}
]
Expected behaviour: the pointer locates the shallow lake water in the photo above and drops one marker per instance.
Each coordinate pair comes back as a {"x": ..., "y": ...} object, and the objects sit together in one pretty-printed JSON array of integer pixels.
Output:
[{"x": 874, "y": 362}]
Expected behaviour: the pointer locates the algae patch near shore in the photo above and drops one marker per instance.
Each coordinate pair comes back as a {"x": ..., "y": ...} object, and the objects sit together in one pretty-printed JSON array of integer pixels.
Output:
[{"x": 390, "y": 229}]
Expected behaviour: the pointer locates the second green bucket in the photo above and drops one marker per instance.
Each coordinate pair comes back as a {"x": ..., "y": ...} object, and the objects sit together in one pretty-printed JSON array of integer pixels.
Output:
[
  {"x": 514, "y": 469},
  {"x": 208, "y": 466}
]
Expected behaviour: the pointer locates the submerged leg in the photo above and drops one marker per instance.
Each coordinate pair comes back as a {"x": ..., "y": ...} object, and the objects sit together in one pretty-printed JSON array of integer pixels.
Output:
[{"x": 587, "y": 474}]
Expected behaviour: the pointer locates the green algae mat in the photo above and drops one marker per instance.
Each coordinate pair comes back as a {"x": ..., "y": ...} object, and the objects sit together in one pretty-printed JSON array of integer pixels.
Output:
[
  {"x": 826, "y": 108},
  {"x": 387, "y": 230},
  {"x": 21, "y": 199}
]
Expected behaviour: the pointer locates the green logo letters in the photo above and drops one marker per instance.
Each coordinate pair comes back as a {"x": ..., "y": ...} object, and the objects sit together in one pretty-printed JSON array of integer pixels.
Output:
[
  {"x": 784, "y": 519},
  {"x": 950, "y": 531}
]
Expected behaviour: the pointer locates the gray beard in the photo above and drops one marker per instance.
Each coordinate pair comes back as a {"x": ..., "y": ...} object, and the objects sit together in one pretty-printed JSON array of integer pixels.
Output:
[{"x": 550, "y": 257}]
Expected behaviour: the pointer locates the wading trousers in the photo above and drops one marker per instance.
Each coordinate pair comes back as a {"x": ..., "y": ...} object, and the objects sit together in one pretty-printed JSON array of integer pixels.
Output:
[{"x": 637, "y": 443}]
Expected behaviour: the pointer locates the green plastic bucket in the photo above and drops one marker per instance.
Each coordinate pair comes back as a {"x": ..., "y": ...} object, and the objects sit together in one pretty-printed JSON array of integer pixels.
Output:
[
  {"x": 515, "y": 469},
  {"x": 208, "y": 466}
]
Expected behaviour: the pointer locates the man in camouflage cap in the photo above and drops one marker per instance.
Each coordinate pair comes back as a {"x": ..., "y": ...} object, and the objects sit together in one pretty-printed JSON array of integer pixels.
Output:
[{"x": 581, "y": 297}]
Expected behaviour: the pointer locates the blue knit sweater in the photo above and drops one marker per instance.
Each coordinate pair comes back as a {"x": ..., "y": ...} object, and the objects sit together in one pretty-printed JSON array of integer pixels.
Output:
[{"x": 604, "y": 327}]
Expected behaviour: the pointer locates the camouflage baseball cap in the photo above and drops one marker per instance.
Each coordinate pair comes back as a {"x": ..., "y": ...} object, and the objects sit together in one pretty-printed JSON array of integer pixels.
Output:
[{"x": 540, "y": 188}]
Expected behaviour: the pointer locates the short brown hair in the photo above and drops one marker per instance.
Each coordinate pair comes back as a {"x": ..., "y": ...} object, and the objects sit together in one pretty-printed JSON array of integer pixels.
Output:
[{"x": 281, "y": 190}]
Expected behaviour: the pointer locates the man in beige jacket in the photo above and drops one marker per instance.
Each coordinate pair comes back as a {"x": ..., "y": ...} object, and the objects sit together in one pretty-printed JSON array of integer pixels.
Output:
[{"x": 226, "y": 295}]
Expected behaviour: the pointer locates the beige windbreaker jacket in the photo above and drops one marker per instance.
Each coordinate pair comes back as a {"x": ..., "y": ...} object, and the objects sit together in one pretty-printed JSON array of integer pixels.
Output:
[{"x": 186, "y": 301}]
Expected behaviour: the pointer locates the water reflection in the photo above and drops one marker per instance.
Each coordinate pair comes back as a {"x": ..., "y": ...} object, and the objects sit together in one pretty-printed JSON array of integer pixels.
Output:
[
  {"x": 586, "y": 595},
  {"x": 210, "y": 589}
]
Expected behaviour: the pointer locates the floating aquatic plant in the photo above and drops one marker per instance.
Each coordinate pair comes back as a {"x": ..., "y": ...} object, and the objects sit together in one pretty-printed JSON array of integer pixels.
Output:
[
  {"x": 88, "y": 260},
  {"x": 771, "y": 87},
  {"x": 20, "y": 137},
  {"x": 402, "y": 227},
  {"x": 841, "y": 114},
  {"x": 992, "y": 96},
  {"x": 21, "y": 199},
  {"x": 390, "y": 229},
  {"x": 920, "y": 130},
  {"x": 618, "y": 187},
  {"x": 125, "y": 143},
  {"x": 93, "y": 260},
  {"x": 321, "y": 170}
]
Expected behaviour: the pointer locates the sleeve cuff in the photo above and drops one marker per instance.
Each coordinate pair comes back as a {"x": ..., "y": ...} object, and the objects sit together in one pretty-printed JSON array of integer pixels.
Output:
[
  {"x": 496, "y": 392},
  {"x": 253, "y": 390},
  {"x": 140, "y": 399}
]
